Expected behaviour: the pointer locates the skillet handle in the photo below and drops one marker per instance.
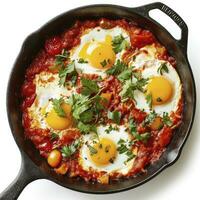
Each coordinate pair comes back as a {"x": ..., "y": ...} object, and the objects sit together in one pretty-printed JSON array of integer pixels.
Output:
[
  {"x": 28, "y": 173},
  {"x": 144, "y": 10}
]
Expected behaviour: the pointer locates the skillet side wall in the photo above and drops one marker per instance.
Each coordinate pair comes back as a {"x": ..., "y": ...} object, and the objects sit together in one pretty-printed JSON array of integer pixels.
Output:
[{"x": 34, "y": 43}]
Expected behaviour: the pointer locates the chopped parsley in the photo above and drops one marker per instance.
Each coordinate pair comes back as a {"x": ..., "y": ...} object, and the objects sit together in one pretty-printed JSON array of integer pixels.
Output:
[
  {"x": 60, "y": 59},
  {"x": 163, "y": 68},
  {"x": 92, "y": 149},
  {"x": 122, "y": 148},
  {"x": 119, "y": 43},
  {"x": 150, "y": 117},
  {"x": 166, "y": 119},
  {"x": 82, "y": 61},
  {"x": 58, "y": 108},
  {"x": 115, "y": 116},
  {"x": 69, "y": 150},
  {"x": 54, "y": 136},
  {"x": 125, "y": 75},
  {"x": 111, "y": 128},
  {"x": 149, "y": 100},
  {"x": 129, "y": 88},
  {"x": 139, "y": 137},
  {"x": 68, "y": 72},
  {"x": 89, "y": 86},
  {"x": 104, "y": 62},
  {"x": 117, "y": 68},
  {"x": 86, "y": 111}
]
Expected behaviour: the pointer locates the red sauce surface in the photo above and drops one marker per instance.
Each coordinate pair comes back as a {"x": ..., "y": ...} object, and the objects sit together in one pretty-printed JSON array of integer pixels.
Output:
[{"x": 148, "y": 152}]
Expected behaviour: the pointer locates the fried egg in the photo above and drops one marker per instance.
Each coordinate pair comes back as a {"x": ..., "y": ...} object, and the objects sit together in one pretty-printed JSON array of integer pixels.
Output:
[
  {"x": 96, "y": 50},
  {"x": 42, "y": 112},
  {"x": 165, "y": 88},
  {"x": 106, "y": 158}
]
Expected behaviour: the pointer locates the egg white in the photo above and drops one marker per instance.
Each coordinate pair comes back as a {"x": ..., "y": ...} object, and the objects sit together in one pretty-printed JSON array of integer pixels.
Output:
[
  {"x": 98, "y": 35},
  {"x": 151, "y": 70},
  {"x": 144, "y": 55},
  {"x": 119, "y": 165}
]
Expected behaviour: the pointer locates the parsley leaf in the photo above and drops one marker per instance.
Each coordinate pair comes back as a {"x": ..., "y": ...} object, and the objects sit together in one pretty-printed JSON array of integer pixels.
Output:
[
  {"x": 111, "y": 128},
  {"x": 166, "y": 119},
  {"x": 149, "y": 100},
  {"x": 82, "y": 61},
  {"x": 119, "y": 43},
  {"x": 163, "y": 68},
  {"x": 66, "y": 72},
  {"x": 124, "y": 149},
  {"x": 103, "y": 63},
  {"x": 117, "y": 68},
  {"x": 125, "y": 75},
  {"x": 58, "y": 108},
  {"x": 115, "y": 116},
  {"x": 139, "y": 137},
  {"x": 69, "y": 150},
  {"x": 86, "y": 128},
  {"x": 89, "y": 86},
  {"x": 54, "y": 136},
  {"x": 92, "y": 150},
  {"x": 60, "y": 59},
  {"x": 150, "y": 117}
]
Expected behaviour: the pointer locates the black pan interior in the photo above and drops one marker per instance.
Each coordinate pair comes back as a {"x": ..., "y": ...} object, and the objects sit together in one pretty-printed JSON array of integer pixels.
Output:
[{"x": 32, "y": 45}]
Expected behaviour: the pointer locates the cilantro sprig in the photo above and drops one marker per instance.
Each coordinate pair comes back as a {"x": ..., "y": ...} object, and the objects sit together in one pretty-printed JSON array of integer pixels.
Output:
[
  {"x": 68, "y": 72},
  {"x": 60, "y": 59},
  {"x": 69, "y": 150},
  {"x": 57, "y": 106},
  {"x": 119, "y": 43},
  {"x": 117, "y": 68},
  {"x": 115, "y": 116},
  {"x": 89, "y": 86},
  {"x": 163, "y": 69},
  {"x": 133, "y": 130}
]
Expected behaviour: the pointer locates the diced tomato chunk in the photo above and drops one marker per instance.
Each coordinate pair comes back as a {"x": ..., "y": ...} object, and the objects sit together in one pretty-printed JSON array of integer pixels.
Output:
[
  {"x": 142, "y": 39},
  {"x": 138, "y": 115}
]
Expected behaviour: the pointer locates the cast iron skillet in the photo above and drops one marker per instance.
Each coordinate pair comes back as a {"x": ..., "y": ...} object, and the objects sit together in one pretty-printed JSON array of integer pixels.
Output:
[{"x": 33, "y": 165}]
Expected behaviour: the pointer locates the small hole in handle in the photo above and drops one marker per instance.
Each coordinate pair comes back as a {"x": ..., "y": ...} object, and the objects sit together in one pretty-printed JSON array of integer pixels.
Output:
[{"x": 166, "y": 22}]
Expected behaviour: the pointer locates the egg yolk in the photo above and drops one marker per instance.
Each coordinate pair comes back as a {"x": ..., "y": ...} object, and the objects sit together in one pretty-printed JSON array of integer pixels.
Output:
[
  {"x": 99, "y": 54},
  {"x": 161, "y": 90},
  {"x": 59, "y": 123},
  {"x": 105, "y": 153}
]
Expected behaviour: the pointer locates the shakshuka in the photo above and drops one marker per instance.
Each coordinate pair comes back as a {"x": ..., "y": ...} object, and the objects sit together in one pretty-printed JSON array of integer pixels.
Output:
[{"x": 101, "y": 100}]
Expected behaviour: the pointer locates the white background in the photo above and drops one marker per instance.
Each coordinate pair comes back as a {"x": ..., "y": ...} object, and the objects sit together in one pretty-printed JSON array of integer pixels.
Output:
[{"x": 21, "y": 17}]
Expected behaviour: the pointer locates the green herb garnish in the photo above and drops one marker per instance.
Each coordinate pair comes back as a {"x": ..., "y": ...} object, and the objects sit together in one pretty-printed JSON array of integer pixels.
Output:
[
  {"x": 139, "y": 137},
  {"x": 111, "y": 128},
  {"x": 82, "y": 61},
  {"x": 103, "y": 63},
  {"x": 68, "y": 72},
  {"x": 69, "y": 150},
  {"x": 60, "y": 59},
  {"x": 58, "y": 108},
  {"x": 163, "y": 68},
  {"x": 149, "y": 100},
  {"x": 166, "y": 119},
  {"x": 119, "y": 43},
  {"x": 115, "y": 116},
  {"x": 92, "y": 150},
  {"x": 54, "y": 136},
  {"x": 117, "y": 68},
  {"x": 89, "y": 86}
]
